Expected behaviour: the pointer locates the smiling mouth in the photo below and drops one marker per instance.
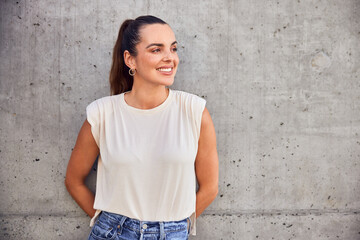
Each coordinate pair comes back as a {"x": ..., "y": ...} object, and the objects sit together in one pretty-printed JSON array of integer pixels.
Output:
[{"x": 165, "y": 70}]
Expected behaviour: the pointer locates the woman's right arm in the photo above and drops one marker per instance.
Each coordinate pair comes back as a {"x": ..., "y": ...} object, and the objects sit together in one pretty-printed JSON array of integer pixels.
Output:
[{"x": 81, "y": 161}]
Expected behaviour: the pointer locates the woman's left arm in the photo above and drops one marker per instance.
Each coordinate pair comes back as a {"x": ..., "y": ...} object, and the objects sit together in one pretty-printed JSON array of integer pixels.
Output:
[{"x": 206, "y": 164}]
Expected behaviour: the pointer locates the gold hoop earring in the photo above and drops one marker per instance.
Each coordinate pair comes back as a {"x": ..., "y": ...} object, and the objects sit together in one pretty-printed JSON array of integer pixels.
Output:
[{"x": 132, "y": 71}]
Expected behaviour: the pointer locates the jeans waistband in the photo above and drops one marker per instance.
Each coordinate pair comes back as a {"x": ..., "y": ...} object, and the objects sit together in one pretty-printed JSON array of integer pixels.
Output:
[{"x": 146, "y": 226}]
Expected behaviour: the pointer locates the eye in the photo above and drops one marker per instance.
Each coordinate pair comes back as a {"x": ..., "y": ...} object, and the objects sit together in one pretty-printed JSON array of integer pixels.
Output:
[
  {"x": 156, "y": 50},
  {"x": 175, "y": 49}
]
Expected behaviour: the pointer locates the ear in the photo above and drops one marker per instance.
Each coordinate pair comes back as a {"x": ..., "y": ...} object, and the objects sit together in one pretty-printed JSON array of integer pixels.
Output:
[{"x": 129, "y": 60}]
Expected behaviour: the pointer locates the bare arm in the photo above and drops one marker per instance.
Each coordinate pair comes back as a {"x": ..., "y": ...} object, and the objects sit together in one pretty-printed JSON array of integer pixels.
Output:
[
  {"x": 82, "y": 159},
  {"x": 206, "y": 164}
]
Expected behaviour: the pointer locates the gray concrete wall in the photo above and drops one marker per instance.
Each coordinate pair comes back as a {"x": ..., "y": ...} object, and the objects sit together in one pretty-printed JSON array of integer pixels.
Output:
[{"x": 281, "y": 80}]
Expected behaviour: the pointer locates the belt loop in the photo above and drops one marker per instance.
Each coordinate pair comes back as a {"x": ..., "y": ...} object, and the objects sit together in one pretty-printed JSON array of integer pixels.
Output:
[
  {"x": 162, "y": 231},
  {"x": 121, "y": 223}
]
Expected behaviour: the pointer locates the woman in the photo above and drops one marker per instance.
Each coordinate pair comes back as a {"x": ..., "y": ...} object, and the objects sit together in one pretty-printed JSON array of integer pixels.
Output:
[{"x": 153, "y": 143}]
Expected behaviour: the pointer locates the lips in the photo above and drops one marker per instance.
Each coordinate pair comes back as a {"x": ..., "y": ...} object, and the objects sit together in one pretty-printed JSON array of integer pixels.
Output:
[
  {"x": 164, "y": 69},
  {"x": 167, "y": 70}
]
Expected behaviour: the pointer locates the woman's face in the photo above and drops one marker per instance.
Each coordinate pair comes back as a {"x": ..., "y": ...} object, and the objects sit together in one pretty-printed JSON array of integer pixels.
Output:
[{"x": 157, "y": 59}]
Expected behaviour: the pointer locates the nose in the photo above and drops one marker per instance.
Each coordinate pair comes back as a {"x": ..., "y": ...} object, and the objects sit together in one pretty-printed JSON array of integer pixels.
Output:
[{"x": 168, "y": 56}]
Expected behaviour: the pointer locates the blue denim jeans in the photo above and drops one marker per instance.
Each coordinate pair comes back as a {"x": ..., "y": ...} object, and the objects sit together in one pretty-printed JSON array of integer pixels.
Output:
[{"x": 116, "y": 226}]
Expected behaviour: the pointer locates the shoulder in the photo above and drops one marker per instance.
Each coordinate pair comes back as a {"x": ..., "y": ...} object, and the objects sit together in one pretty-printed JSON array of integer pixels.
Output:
[
  {"x": 98, "y": 109},
  {"x": 187, "y": 96},
  {"x": 103, "y": 102}
]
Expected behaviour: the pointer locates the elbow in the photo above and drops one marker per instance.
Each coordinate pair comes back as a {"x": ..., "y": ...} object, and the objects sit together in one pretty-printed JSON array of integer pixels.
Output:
[
  {"x": 211, "y": 192},
  {"x": 67, "y": 183},
  {"x": 72, "y": 182},
  {"x": 215, "y": 192}
]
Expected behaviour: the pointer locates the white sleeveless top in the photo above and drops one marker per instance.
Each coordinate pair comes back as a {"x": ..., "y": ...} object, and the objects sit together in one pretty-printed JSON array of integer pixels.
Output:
[{"x": 146, "y": 165}]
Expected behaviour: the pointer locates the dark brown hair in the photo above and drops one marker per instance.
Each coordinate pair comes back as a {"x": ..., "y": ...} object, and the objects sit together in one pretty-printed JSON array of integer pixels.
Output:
[{"x": 128, "y": 38}]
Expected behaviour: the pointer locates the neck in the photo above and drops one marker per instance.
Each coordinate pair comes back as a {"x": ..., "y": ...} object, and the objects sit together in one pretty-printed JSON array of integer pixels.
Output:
[{"x": 143, "y": 98}]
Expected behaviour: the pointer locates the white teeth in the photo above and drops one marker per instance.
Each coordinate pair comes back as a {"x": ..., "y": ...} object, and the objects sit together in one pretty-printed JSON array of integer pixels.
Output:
[{"x": 164, "y": 69}]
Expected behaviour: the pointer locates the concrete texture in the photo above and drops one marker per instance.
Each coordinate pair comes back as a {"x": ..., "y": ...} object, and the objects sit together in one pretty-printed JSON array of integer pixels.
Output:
[{"x": 281, "y": 80}]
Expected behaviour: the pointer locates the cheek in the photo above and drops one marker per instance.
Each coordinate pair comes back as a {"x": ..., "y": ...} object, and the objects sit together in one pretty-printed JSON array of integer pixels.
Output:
[
  {"x": 148, "y": 61},
  {"x": 177, "y": 59},
  {"x": 152, "y": 61}
]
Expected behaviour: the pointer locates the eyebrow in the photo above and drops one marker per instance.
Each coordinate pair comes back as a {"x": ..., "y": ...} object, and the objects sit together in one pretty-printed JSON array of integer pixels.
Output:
[{"x": 159, "y": 44}]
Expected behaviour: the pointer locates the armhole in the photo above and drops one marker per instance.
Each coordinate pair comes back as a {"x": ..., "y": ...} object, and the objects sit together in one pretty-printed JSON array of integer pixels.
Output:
[
  {"x": 93, "y": 118},
  {"x": 200, "y": 110}
]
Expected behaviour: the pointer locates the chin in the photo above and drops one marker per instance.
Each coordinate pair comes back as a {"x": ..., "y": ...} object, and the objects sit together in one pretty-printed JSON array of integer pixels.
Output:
[{"x": 169, "y": 82}]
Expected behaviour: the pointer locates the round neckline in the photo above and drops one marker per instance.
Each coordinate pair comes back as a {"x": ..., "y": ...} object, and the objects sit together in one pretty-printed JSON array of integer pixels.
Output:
[{"x": 146, "y": 111}]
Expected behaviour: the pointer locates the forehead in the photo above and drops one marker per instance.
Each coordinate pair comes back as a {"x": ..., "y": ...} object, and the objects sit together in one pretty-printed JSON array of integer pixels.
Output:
[{"x": 156, "y": 33}]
